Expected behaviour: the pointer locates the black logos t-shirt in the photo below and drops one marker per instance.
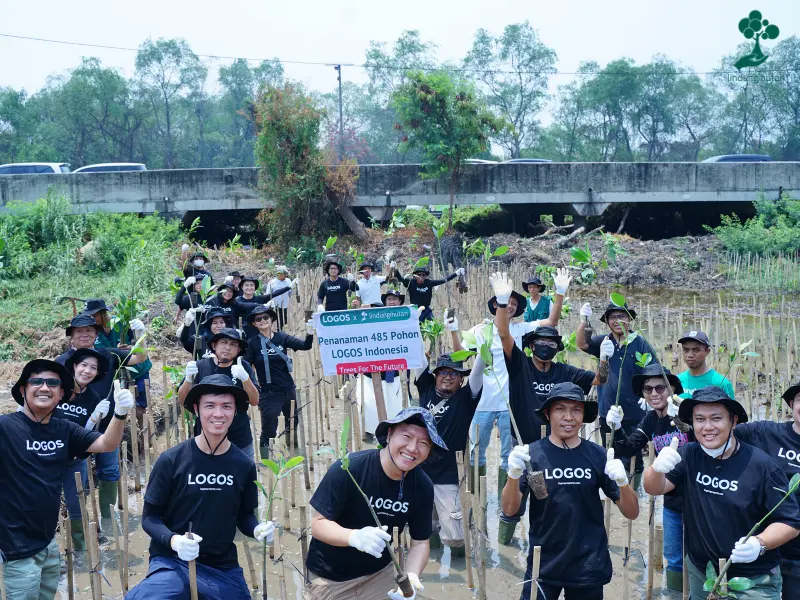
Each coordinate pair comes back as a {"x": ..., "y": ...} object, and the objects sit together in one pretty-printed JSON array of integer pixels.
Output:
[
  {"x": 34, "y": 459},
  {"x": 79, "y": 408},
  {"x": 208, "y": 491},
  {"x": 723, "y": 499},
  {"x": 334, "y": 293},
  {"x": 337, "y": 499}
]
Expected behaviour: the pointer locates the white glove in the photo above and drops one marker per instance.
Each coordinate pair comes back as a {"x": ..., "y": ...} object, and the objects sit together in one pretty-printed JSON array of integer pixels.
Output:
[
  {"x": 228, "y": 279},
  {"x": 265, "y": 531},
  {"x": 190, "y": 281},
  {"x": 416, "y": 585},
  {"x": 123, "y": 399},
  {"x": 137, "y": 327},
  {"x": 185, "y": 248},
  {"x": 586, "y": 310},
  {"x": 452, "y": 323},
  {"x": 320, "y": 308},
  {"x": 606, "y": 350},
  {"x": 562, "y": 279},
  {"x": 393, "y": 265},
  {"x": 270, "y": 304},
  {"x": 643, "y": 404},
  {"x": 746, "y": 552},
  {"x": 191, "y": 371},
  {"x": 310, "y": 328},
  {"x": 419, "y": 311},
  {"x": 614, "y": 417},
  {"x": 189, "y": 318},
  {"x": 516, "y": 461},
  {"x": 502, "y": 286},
  {"x": 460, "y": 271},
  {"x": 350, "y": 277},
  {"x": 371, "y": 540},
  {"x": 668, "y": 458},
  {"x": 237, "y": 370},
  {"x": 100, "y": 411},
  {"x": 672, "y": 407},
  {"x": 187, "y": 549},
  {"x": 615, "y": 469}
]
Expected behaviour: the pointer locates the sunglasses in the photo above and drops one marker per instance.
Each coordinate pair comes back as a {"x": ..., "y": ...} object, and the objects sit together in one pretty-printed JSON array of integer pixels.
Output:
[
  {"x": 51, "y": 382},
  {"x": 659, "y": 389},
  {"x": 545, "y": 343},
  {"x": 448, "y": 374},
  {"x": 261, "y": 319}
]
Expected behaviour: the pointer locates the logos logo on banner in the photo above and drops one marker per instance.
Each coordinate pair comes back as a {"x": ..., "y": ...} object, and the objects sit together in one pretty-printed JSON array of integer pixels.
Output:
[
  {"x": 388, "y": 504},
  {"x": 354, "y": 317},
  {"x": 718, "y": 485}
]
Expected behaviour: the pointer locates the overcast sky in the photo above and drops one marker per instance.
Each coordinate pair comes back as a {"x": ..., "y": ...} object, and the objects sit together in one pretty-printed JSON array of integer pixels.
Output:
[{"x": 695, "y": 32}]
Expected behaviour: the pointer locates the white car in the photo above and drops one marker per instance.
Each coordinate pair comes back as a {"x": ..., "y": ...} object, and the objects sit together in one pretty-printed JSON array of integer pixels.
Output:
[
  {"x": 111, "y": 168},
  {"x": 33, "y": 168}
]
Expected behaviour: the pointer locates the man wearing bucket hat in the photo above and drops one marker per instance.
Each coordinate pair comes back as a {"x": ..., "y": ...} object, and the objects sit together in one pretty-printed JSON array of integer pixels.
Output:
[
  {"x": 228, "y": 348},
  {"x": 393, "y": 297},
  {"x": 213, "y": 322},
  {"x": 332, "y": 293},
  {"x": 566, "y": 513},
  {"x": 531, "y": 379},
  {"x": 695, "y": 347},
  {"x": 204, "y": 486},
  {"x": 658, "y": 426},
  {"x": 420, "y": 287},
  {"x": 782, "y": 442},
  {"x": 195, "y": 263},
  {"x": 537, "y": 307},
  {"x": 622, "y": 367},
  {"x": 347, "y": 558},
  {"x": 235, "y": 278},
  {"x": 249, "y": 300},
  {"x": 727, "y": 487},
  {"x": 188, "y": 294},
  {"x": 277, "y": 284},
  {"x": 37, "y": 453}
]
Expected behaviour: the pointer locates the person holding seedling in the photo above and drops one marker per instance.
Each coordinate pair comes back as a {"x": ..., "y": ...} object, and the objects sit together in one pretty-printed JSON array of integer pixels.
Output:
[
  {"x": 565, "y": 473},
  {"x": 348, "y": 558},
  {"x": 623, "y": 364},
  {"x": 658, "y": 426},
  {"x": 493, "y": 407},
  {"x": 782, "y": 442},
  {"x": 695, "y": 347},
  {"x": 420, "y": 287},
  {"x": 213, "y": 323},
  {"x": 194, "y": 263},
  {"x": 228, "y": 347},
  {"x": 538, "y": 307},
  {"x": 332, "y": 293},
  {"x": 530, "y": 380},
  {"x": 727, "y": 487},
  {"x": 188, "y": 294},
  {"x": 249, "y": 300},
  {"x": 38, "y": 453},
  {"x": 199, "y": 493}
]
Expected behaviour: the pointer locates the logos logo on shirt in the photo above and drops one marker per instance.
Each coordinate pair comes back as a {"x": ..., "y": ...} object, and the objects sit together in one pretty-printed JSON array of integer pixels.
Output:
[
  {"x": 71, "y": 408},
  {"x": 716, "y": 483},
  {"x": 425, "y": 289},
  {"x": 789, "y": 455},
  {"x": 37, "y": 446},
  {"x": 437, "y": 412},
  {"x": 542, "y": 388},
  {"x": 568, "y": 473},
  {"x": 388, "y": 504},
  {"x": 212, "y": 479},
  {"x": 334, "y": 288}
]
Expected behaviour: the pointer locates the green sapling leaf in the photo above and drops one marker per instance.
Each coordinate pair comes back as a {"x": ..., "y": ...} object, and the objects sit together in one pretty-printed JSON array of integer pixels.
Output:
[
  {"x": 271, "y": 465},
  {"x": 462, "y": 355},
  {"x": 740, "y": 584},
  {"x": 486, "y": 354},
  {"x": 617, "y": 299},
  {"x": 468, "y": 339},
  {"x": 329, "y": 244},
  {"x": 499, "y": 251},
  {"x": 711, "y": 573},
  {"x": 345, "y": 434}
]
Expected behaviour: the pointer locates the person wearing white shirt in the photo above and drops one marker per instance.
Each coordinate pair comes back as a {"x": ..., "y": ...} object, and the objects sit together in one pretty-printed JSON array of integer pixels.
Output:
[
  {"x": 369, "y": 286},
  {"x": 281, "y": 303}
]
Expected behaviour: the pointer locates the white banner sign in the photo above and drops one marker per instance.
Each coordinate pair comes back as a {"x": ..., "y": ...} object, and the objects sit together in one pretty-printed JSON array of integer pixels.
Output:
[{"x": 369, "y": 340}]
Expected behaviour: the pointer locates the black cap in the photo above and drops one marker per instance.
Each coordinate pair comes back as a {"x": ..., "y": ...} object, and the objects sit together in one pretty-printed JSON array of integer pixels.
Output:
[
  {"x": 95, "y": 305},
  {"x": 81, "y": 353},
  {"x": 533, "y": 280},
  {"x": 395, "y": 293},
  {"x": 445, "y": 361},
  {"x": 697, "y": 336},
  {"x": 216, "y": 384},
  {"x": 234, "y": 274},
  {"x": 252, "y": 278},
  {"x": 213, "y": 313},
  {"x": 421, "y": 270},
  {"x": 261, "y": 310},
  {"x": 415, "y": 415},
  {"x": 789, "y": 394},
  {"x": 82, "y": 320},
  {"x": 546, "y": 332},
  {"x": 654, "y": 370},
  {"x": 710, "y": 395},
  {"x": 573, "y": 392},
  {"x": 522, "y": 303},
  {"x": 231, "y": 334},
  {"x": 37, "y": 365},
  {"x": 613, "y": 307},
  {"x": 367, "y": 265}
]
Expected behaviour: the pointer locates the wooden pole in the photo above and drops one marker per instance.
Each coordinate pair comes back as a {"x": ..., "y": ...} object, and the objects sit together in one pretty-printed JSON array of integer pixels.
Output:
[
  {"x": 69, "y": 554},
  {"x": 282, "y": 565},
  {"x": 192, "y": 569},
  {"x": 87, "y": 533},
  {"x": 93, "y": 550},
  {"x": 651, "y": 520},
  {"x": 165, "y": 403},
  {"x": 304, "y": 531},
  {"x": 657, "y": 557},
  {"x": 301, "y": 431},
  {"x": 482, "y": 540},
  {"x": 250, "y": 565},
  {"x": 380, "y": 402},
  {"x": 292, "y": 433},
  {"x": 723, "y": 586},
  {"x": 466, "y": 512},
  {"x": 537, "y": 559},
  {"x": 627, "y": 552},
  {"x": 125, "y": 536},
  {"x": 137, "y": 484},
  {"x": 115, "y": 527}
]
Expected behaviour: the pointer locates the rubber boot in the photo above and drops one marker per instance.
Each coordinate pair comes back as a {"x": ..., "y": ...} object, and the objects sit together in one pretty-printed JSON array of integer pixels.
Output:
[
  {"x": 107, "y": 495},
  {"x": 637, "y": 480},
  {"x": 435, "y": 540},
  {"x": 505, "y": 532},
  {"x": 458, "y": 551},
  {"x": 675, "y": 580},
  {"x": 78, "y": 539},
  {"x": 263, "y": 452},
  {"x": 502, "y": 477}
]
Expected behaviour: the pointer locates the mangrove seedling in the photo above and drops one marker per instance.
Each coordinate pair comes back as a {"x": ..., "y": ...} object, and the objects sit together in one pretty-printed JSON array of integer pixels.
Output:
[{"x": 431, "y": 331}]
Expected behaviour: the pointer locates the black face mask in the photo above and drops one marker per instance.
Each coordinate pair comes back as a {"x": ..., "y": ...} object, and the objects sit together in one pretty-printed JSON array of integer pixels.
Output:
[{"x": 544, "y": 352}]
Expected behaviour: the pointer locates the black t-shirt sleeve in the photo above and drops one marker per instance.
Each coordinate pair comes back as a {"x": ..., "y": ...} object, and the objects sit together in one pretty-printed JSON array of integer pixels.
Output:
[
  {"x": 333, "y": 493},
  {"x": 158, "y": 486},
  {"x": 748, "y": 433},
  {"x": 80, "y": 439},
  {"x": 321, "y": 292},
  {"x": 631, "y": 444},
  {"x": 420, "y": 526},
  {"x": 425, "y": 381},
  {"x": 514, "y": 362},
  {"x": 297, "y": 344},
  {"x": 594, "y": 345},
  {"x": 581, "y": 377}
]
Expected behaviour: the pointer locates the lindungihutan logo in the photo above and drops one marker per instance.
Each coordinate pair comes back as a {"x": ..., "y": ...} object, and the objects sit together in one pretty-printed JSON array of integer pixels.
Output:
[{"x": 754, "y": 27}]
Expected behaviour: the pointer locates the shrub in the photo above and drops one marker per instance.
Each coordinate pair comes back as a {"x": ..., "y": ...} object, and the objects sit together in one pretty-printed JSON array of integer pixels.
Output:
[{"x": 774, "y": 230}]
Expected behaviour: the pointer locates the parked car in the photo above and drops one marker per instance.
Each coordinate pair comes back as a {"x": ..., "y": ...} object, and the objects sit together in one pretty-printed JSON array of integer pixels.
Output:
[
  {"x": 111, "y": 168},
  {"x": 480, "y": 161},
  {"x": 738, "y": 158},
  {"x": 33, "y": 168},
  {"x": 518, "y": 161}
]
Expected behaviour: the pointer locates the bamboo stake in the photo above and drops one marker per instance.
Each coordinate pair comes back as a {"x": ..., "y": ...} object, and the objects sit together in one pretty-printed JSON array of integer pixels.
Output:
[
  {"x": 627, "y": 551},
  {"x": 115, "y": 528},
  {"x": 165, "y": 403},
  {"x": 482, "y": 539},
  {"x": 301, "y": 431},
  {"x": 657, "y": 557},
  {"x": 87, "y": 533},
  {"x": 537, "y": 559},
  {"x": 69, "y": 554},
  {"x": 125, "y": 530},
  {"x": 282, "y": 565},
  {"x": 250, "y": 565},
  {"x": 651, "y": 520},
  {"x": 93, "y": 551},
  {"x": 723, "y": 587},
  {"x": 192, "y": 569},
  {"x": 134, "y": 425},
  {"x": 380, "y": 402},
  {"x": 466, "y": 510},
  {"x": 304, "y": 537}
]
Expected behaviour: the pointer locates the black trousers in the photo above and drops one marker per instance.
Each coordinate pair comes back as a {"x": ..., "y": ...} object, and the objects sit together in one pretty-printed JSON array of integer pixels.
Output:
[
  {"x": 553, "y": 592},
  {"x": 271, "y": 405},
  {"x": 283, "y": 314},
  {"x": 619, "y": 435}
]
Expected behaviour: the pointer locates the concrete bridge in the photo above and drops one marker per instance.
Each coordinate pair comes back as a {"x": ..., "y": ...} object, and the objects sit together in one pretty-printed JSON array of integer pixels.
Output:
[{"x": 583, "y": 189}]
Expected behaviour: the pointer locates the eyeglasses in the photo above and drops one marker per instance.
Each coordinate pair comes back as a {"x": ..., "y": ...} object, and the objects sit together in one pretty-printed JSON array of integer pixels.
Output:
[
  {"x": 51, "y": 382},
  {"x": 618, "y": 317},
  {"x": 546, "y": 343},
  {"x": 659, "y": 389},
  {"x": 447, "y": 374}
]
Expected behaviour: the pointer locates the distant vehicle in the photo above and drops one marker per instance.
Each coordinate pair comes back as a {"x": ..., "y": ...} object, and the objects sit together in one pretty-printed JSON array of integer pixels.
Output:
[
  {"x": 519, "y": 161},
  {"x": 111, "y": 168},
  {"x": 738, "y": 158},
  {"x": 480, "y": 161},
  {"x": 33, "y": 168}
]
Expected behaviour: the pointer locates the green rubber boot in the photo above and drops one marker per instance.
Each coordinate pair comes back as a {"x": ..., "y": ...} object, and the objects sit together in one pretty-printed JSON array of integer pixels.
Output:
[
  {"x": 435, "y": 540},
  {"x": 502, "y": 477},
  {"x": 458, "y": 551},
  {"x": 78, "y": 539},
  {"x": 107, "y": 494},
  {"x": 675, "y": 580},
  {"x": 505, "y": 532},
  {"x": 263, "y": 452}
]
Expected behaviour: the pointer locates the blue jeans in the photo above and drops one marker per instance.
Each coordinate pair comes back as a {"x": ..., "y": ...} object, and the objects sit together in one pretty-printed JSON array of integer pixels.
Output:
[
  {"x": 71, "y": 492},
  {"x": 108, "y": 465},
  {"x": 673, "y": 540},
  {"x": 168, "y": 579},
  {"x": 141, "y": 390},
  {"x": 790, "y": 571},
  {"x": 485, "y": 421}
]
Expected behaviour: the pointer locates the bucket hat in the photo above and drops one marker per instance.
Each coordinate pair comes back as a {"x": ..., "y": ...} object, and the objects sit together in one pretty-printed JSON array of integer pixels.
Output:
[
  {"x": 212, "y": 314},
  {"x": 367, "y": 265},
  {"x": 415, "y": 415},
  {"x": 446, "y": 362},
  {"x": 261, "y": 310},
  {"x": 395, "y": 293},
  {"x": 95, "y": 305},
  {"x": 533, "y": 280},
  {"x": 710, "y": 395},
  {"x": 37, "y": 365},
  {"x": 82, "y": 320},
  {"x": 332, "y": 261},
  {"x": 546, "y": 332},
  {"x": 216, "y": 384},
  {"x": 573, "y": 392},
  {"x": 654, "y": 370},
  {"x": 251, "y": 278},
  {"x": 789, "y": 394},
  {"x": 612, "y": 307},
  {"x": 81, "y": 353},
  {"x": 231, "y": 334},
  {"x": 421, "y": 271},
  {"x": 198, "y": 254},
  {"x": 522, "y": 302}
]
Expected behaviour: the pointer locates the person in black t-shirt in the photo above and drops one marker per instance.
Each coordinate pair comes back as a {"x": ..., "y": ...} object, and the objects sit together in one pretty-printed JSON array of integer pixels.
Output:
[
  {"x": 227, "y": 346},
  {"x": 248, "y": 300},
  {"x": 727, "y": 487},
  {"x": 188, "y": 295},
  {"x": 36, "y": 453},
  {"x": 566, "y": 513},
  {"x": 420, "y": 288},
  {"x": 332, "y": 293},
  {"x": 208, "y": 482},
  {"x": 347, "y": 558},
  {"x": 530, "y": 381},
  {"x": 194, "y": 264},
  {"x": 212, "y": 324},
  {"x": 658, "y": 426},
  {"x": 224, "y": 300},
  {"x": 267, "y": 352},
  {"x": 782, "y": 442}
]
